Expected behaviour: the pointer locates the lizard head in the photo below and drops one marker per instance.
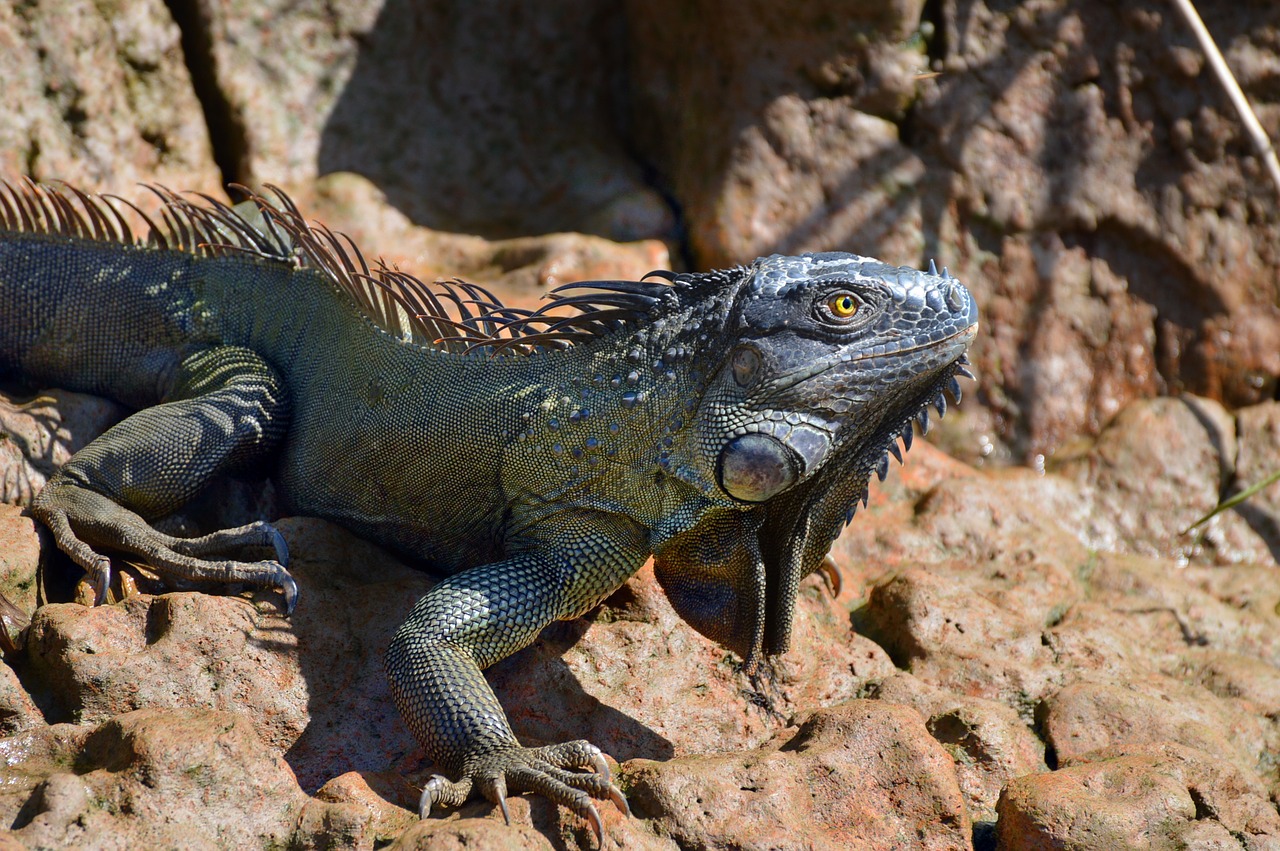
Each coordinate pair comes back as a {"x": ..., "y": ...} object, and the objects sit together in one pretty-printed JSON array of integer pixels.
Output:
[
  {"x": 829, "y": 360},
  {"x": 828, "y": 347}
]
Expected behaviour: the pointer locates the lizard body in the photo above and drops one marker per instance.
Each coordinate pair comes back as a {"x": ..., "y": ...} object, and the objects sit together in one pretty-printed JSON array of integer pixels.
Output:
[{"x": 726, "y": 423}]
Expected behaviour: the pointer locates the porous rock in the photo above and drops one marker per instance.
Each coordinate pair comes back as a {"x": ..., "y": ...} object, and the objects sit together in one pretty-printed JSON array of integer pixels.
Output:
[
  {"x": 224, "y": 788},
  {"x": 862, "y": 774},
  {"x": 988, "y": 741},
  {"x": 1160, "y": 795}
]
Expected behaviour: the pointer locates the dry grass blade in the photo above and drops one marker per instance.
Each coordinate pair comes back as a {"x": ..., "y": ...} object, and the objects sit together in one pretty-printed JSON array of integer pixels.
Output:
[
  {"x": 1228, "y": 80},
  {"x": 1231, "y": 503}
]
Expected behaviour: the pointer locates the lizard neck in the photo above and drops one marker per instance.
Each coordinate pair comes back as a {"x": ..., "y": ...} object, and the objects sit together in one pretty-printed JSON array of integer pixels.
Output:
[{"x": 612, "y": 423}]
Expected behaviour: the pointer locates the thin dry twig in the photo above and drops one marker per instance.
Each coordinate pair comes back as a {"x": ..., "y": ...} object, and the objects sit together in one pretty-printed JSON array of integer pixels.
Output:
[{"x": 1257, "y": 134}]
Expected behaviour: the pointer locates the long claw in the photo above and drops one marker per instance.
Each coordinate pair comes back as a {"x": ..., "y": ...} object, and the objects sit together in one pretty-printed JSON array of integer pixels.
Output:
[
  {"x": 596, "y": 825},
  {"x": 500, "y": 793},
  {"x": 619, "y": 800},
  {"x": 425, "y": 801},
  {"x": 831, "y": 577},
  {"x": 101, "y": 582},
  {"x": 601, "y": 767},
  {"x": 438, "y": 790},
  {"x": 281, "y": 548},
  {"x": 289, "y": 586}
]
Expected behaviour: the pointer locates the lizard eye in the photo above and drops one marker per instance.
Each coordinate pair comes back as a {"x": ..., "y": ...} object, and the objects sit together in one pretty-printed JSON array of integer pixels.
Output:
[{"x": 843, "y": 305}]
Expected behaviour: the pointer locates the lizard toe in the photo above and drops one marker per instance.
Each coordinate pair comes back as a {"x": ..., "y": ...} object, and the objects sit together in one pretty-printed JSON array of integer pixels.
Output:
[
  {"x": 563, "y": 788},
  {"x": 444, "y": 792},
  {"x": 101, "y": 577},
  {"x": 583, "y": 754},
  {"x": 576, "y": 754},
  {"x": 545, "y": 771}
]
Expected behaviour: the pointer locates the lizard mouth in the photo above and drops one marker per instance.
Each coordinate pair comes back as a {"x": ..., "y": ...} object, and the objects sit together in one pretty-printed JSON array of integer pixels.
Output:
[
  {"x": 949, "y": 347},
  {"x": 963, "y": 337},
  {"x": 776, "y": 451}
]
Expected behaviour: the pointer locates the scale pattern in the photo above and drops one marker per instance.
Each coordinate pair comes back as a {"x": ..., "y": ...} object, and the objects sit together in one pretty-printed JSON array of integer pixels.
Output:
[{"x": 726, "y": 423}]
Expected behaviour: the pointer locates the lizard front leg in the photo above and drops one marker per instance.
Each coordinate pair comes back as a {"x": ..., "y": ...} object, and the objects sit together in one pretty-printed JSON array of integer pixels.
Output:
[
  {"x": 225, "y": 409},
  {"x": 557, "y": 571}
]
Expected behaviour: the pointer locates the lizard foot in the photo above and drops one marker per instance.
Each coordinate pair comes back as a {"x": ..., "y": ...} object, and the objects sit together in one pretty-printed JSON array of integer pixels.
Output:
[
  {"x": 83, "y": 522},
  {"x": 539, "y": 770}
]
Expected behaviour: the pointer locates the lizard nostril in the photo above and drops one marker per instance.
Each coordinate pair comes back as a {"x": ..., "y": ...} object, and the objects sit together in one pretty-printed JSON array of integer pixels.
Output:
[{"x": 956, "y": 298}]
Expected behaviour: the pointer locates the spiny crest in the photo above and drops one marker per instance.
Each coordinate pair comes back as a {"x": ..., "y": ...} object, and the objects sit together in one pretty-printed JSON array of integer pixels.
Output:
[{"x": 455, "y": 316}]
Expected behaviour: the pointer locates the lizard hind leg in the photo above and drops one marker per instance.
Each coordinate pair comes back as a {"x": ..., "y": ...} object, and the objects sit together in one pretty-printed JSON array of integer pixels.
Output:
[{"x": 225, "y": 409}]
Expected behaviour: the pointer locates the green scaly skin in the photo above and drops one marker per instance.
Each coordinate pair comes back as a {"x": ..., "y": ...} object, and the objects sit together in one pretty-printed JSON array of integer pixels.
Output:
[{"x": 726, "y": 423}]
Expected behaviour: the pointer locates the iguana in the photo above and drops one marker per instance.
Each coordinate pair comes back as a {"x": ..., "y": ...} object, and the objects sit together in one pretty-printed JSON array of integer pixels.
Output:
[{"x": 726, "y": 423}]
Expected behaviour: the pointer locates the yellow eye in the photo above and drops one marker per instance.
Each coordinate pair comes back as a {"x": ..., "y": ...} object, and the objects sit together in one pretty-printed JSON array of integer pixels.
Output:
[{"x": 842, "y": 305}]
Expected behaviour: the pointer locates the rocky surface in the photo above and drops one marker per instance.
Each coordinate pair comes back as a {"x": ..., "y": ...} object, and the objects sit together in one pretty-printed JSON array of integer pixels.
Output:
[
  {"x": 1012, "y": 662},
  {"x": 1017, "y": 659},
  {"x": 1074, "y": 162},
  {"x": 98, "y": 94}
]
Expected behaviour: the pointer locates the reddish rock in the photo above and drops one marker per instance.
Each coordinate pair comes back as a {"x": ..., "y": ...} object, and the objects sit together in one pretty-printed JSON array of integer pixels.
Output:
[
  {"x": 1066, "y": 242},
  {"x": 770, "y": 132},
  {"x": 301, "y": 680},
  {"x": 22, "y": 540},
  {"x": 1234, "y": 676},
  {"x": 1157, "y": 796},
  {"x": 864, "y": 774},
  {"x": 1170, "y": 608},
  {"x": 1258, "y": 456},
  {"x": 370, "y": 807},
  {"x": 28, "y": 757},
  {"x": 937, "y": 629},
  {"x": 464, "y": 131},
  {"x": 1177, "y": 454},
  {"x": 694, "y": 697},
  {"x": 989, "y": 742},
  {"x": 40, "y": 434},
  {"x": 1084, "y": 717},
  {"x": 470, "y": 835},
  {"x": 799, "y": 145},
  {"x": 1123, "y": 803},
  {"x": 18, "y": 712},
  {"x": 208, "y": 767}
]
